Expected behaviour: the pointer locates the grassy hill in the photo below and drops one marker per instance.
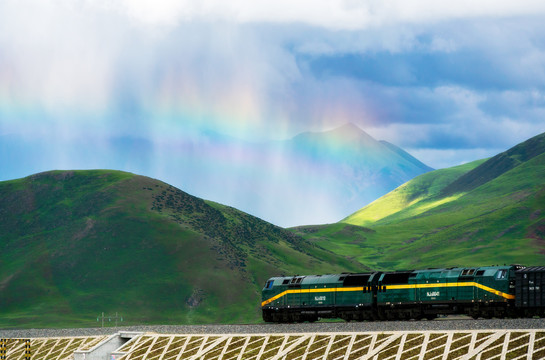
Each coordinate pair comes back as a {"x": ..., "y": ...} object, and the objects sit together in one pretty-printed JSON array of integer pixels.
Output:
[
  {"x": 415, "y": 194},
  {"x": 486, "y": 212},
  {"x": 74, "y": 244}
]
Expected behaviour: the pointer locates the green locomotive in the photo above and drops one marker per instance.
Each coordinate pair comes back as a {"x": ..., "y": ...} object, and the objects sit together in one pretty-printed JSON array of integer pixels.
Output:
[{"x": 478, "y": 292}]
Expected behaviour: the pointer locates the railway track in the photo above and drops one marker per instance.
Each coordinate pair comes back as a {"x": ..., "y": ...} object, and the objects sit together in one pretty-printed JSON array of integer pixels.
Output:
[{"x": 454, "y": 323}]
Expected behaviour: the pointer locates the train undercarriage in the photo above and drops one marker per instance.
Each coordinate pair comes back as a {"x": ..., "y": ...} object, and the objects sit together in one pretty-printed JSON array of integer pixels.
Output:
[{"x": 395, "y": 312}]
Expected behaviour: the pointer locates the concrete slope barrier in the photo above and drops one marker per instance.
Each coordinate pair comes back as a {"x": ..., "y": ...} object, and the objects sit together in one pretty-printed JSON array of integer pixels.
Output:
[{"x": 392, "y": 345}]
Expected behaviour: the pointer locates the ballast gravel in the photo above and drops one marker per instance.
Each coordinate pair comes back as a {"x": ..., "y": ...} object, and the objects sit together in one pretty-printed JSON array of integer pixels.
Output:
[{"x": 440, "y": 324}]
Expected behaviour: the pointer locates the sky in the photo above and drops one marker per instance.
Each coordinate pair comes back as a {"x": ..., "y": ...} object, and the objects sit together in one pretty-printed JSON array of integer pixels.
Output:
[{"x": 85, "y": 83}]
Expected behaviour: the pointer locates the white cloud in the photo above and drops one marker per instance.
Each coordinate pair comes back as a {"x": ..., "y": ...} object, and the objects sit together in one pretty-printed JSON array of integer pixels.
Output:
[
  {"x": 332, "y": 14},
  {"x": 217, "y": 63},
  {"x": 57, "y": 54}
]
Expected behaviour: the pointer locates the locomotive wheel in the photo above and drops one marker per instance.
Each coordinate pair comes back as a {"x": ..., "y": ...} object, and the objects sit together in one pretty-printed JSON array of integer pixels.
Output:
[{"x": 267, "y": 317}]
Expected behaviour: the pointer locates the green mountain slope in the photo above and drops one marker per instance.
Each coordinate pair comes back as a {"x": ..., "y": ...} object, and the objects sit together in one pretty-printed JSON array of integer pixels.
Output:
[
  {"x": 414, "y": 194},
  {"x": 74, "y": 244},
  {"x": 498, "y": 165},
  {"x": 486, "y": 212}
]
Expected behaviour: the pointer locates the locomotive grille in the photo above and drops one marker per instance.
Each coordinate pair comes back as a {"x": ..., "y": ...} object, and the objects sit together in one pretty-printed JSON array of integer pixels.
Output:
[{"x": 529, "y": 287}]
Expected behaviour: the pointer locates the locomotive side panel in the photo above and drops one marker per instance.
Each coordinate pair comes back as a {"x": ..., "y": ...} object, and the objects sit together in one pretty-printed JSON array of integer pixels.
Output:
[
  {"x": 322, "y": 295},
  {"x": 478, "y": 292},
  {"x": 435, "y": 286},
  {"x": 354, "y": 290},
  {"x": 394, "y": 288}
]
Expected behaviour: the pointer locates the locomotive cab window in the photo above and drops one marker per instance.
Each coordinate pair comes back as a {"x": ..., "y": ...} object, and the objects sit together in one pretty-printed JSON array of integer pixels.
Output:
[
  {"x": 468, "y": 272},
  {"x": 269, "y": 284},
  {"x": 396, "y": 278},
  {"x": 356, "y": 280},
  {"x": 501, "y": 274}
]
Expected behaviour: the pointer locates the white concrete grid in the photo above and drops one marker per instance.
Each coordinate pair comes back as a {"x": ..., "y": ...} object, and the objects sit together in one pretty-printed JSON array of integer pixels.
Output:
[
  {"x": 430, "y": 345},
  {"x": 440, "y": 345},
  {"x": 51, "y": 348}
]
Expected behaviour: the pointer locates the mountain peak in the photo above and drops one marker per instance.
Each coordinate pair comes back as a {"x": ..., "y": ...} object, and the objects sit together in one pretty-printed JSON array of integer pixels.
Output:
[
  {"x": 349, "y": 131},
  {"x": 348, "y": 127},
  {"x": 344, "y": 134}
]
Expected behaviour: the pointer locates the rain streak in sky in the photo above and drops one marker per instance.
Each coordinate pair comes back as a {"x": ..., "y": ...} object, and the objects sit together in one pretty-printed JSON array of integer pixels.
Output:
[{"x": 139, "y": 85}]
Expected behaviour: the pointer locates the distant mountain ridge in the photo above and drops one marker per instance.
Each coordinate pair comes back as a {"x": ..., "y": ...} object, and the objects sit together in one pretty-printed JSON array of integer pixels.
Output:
[
  {"x": 313, "y": 177},
  {"x": 330, "y": 174},
  {"x": 406, "y": 155},
  {"x": 78, "y": 243}
]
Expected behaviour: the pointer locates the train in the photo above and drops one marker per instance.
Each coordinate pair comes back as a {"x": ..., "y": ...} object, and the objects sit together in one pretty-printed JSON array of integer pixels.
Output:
[{"x": 480, "y": 292}]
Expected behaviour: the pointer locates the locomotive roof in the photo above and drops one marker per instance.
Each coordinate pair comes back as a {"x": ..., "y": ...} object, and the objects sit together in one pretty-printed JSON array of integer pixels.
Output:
[
  {"x": 494, "y": 267},
  {"x": 317, "y": 279},
  {"x": 329, "y": 278},
  {"x": 532, "y": 269},
  {"x": 321, "y": 279}
]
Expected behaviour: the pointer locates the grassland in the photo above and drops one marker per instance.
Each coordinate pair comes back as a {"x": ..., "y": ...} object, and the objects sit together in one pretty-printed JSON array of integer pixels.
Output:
[{"x": 75, "y": 244}]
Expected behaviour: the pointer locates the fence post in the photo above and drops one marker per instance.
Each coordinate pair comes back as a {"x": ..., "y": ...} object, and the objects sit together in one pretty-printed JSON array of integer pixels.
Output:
[
  {"x": 27, "y": 349},
  {"x": 3, "y": 350}
]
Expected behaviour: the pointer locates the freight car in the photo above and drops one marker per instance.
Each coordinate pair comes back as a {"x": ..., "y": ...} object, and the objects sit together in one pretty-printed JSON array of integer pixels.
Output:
[{"x": 490, "y": 291}]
